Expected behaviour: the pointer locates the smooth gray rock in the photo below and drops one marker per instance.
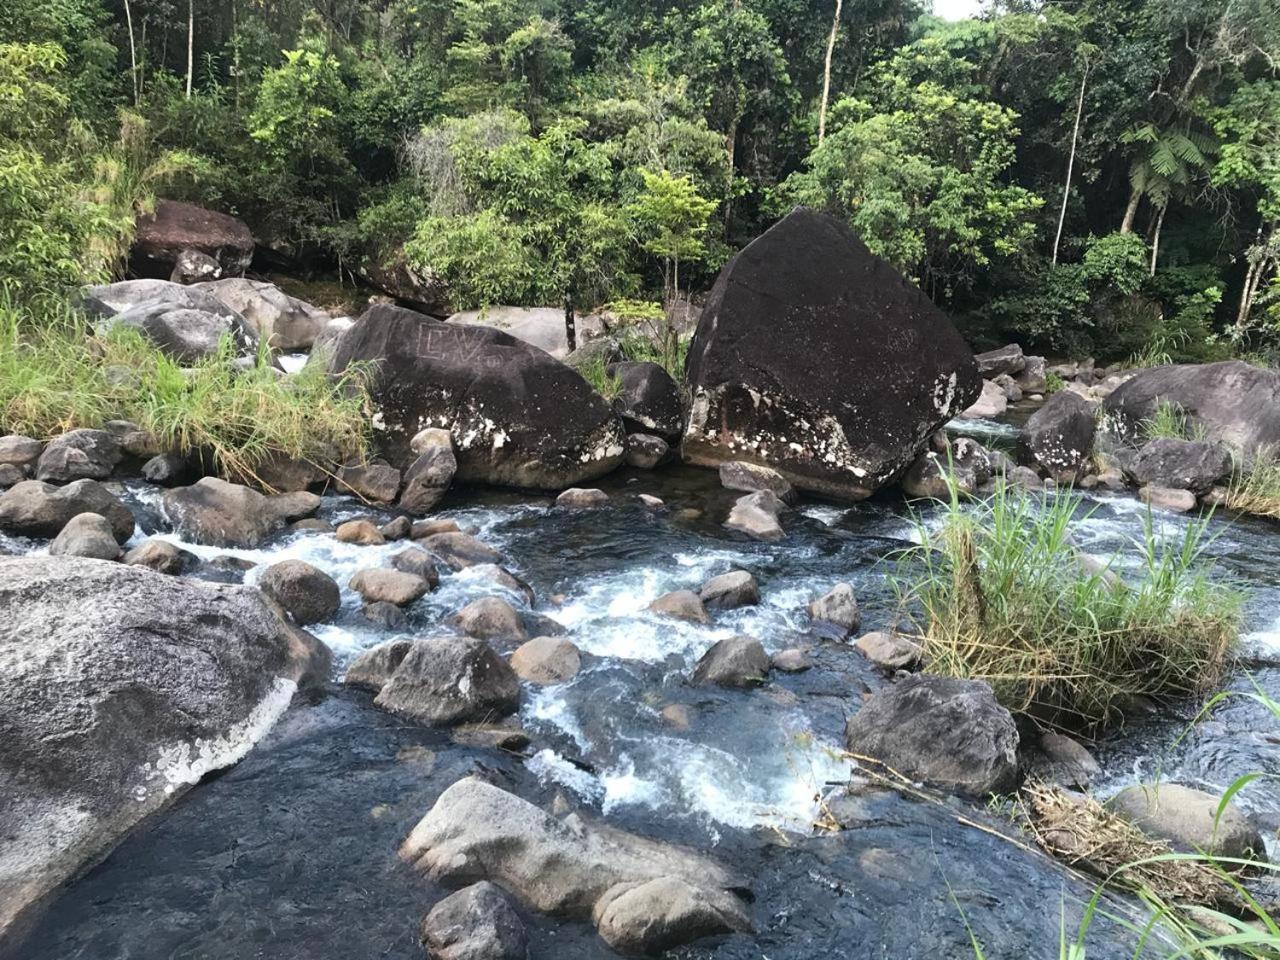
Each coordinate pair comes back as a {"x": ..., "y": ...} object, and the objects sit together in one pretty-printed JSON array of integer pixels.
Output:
[
  {"x": 1188, "y": 819},
  {"x": 751, "y": 477},
  {"x": 79, "y": 455},
  {"x": 214, "y": 512},
  {"x": 449, "y": 680},
  {"x": 490, "y": 618},
  {"x": 20, "y": 451},
  {"x": 364, "y": 532},
  {"x": 86, "y": 535},
  {"x": 546, "y": 661},
  {"x": 123, "y": 687},
  {"x": 756, "y": 515},
  {"x": 991, "y": 403},
  {"x": 578, "y": 498},
  {"x": 309, "y": 594},
  {"x": 681, "y": 605},
  {"x": 888, "y": 649},
  {"x": 427, "y": 478},
  {"x": 384, "y": 585},
  {"x": 1007, "y": 360},
  {"x": 33, "y": 508},
  {"x": 161, "y": 556},
  {"x": 460, "y": 550},
  {"x": 286, "y": 323},
  {"x": 373, "y": 482},
  {"x": 737, "y": 588},
  {"x": 738, "y": 661},
  {"x": 417, "y": 562},
  {"x": 1165, "y": 498},
  {"x": 839, "y": 607},
  {"x": 476, "y": 923}
]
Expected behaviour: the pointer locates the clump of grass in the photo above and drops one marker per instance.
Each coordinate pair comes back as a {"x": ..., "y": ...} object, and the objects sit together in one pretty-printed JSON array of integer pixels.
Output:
[
  {"x": 57, "y": 375},
  {"x": 596, "y": 372},
  {"x": 999, "y": 592},
  {"x": 1053, "y": 383},
  {"x": 1171, "y": 422},
  {"x": 1256, "y": 489}
]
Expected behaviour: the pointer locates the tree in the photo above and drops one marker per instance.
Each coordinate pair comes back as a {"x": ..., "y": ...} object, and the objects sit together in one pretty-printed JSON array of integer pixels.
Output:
[
  {"x": 1085, "y": 68},
  {"x": 1168, "y": 163},
  {"x": 826, "y": 72}
]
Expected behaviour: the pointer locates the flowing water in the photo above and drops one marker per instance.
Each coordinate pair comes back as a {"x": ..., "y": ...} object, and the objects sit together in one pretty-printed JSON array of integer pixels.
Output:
[{"x": 291, "y": 854}]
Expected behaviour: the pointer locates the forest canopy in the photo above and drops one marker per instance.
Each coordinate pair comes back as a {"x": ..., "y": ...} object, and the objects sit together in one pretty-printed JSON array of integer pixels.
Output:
[{"x": 1097, "y": 175}]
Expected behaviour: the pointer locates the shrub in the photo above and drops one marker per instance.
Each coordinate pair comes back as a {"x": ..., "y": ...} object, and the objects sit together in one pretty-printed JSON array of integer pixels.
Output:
[{"x": 999, "y": 592}]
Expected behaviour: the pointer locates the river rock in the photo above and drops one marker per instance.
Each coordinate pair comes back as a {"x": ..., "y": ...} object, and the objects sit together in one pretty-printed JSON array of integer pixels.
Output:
[
  {"x": 446, "y": 680},
  {"x": 817, "y": 358},
  {"x": 375, "y": 666},
  {"x": 429, "y": 528},
  {"x": 460, "y": 550},
  {"x": 490, "y": 618},
  {"x": 517, "y": 416},
  {"x": 645, "y": 451},
  {"x": 681, "y": 605},
  {"x": 397, "y": 529},
  {"x": 286, "y": 323},
  {"x": 417, "y": 562},
  {"x": 1235, "y": 402},
  {"x": 991, "y": 403},
  {"x": 1166, "y": 498},
  {"x": 161, "y": 556},
  {"x": 751, "y": 477},
  {"x": 86, "y": 535},
  {"x": 20, "y": 451},
  {"x": 576, "y": 498},
  {"x": 373, "y": 482},
  {"x": 737, "y": 588},
  {"x": 1012, "y": 392},
  {"x": 541, "y": 327},
  {"x": 123, "y": 687},
  {"x": 888, "y": 649},
  {"x": 648, "y": 399},
  {"x": 1007, "y": 360},
  {"x": 1063, "y": 761},
  {"x": 386, "y": 615},
  {"x": 282, "y": 474},
  {"x": 966, "y": 465},
  {"x": 192, "y": 266},
  {"x": 948, "y": 732},
  {"x": 170, "y": 470},
  {"x": 187, "y": 335},
  {"x": 738, "y": 661},
  {"x": 756, "y": 515},
  {"x": 1033, "y": 378},
  {"x": 132, "y": 439},
  {"x": 428, "y": 477},
  {"x": 11, "y": 474},
  {"x": 838, "y": 607},
  {"x": 383, "y": 585},
  {"x": 33, "y": 508},
  {"x": 214, "y": 512},
  {"x": 476, "y": 923},
  {"x": 546, "y": 661},
  {"x": 173, "y": 227},
  {"x": 1058, "y": 438},
  {"x": 792, "y": 660},
  {"x": 1188, "y": 819},
  {"x": 578, "y": 869},
  {"x": 309, "y": 594},
  {"x": 503, "y": 578},
  {"x": 363, "y": 532},
  {"x": 1194, "y": 465},
  {"x": 79, "y": 455}
]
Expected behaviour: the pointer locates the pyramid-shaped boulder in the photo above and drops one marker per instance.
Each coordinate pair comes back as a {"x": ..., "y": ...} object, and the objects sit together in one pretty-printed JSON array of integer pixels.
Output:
[{"x": 817, "y": 358}]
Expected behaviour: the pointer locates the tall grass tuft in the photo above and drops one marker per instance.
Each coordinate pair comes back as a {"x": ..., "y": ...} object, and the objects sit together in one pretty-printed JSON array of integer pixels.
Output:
[
  {"x": 1170, "y": 422},
  {"x": 57, "y": 375},
  {"x": 1256, "y": 488},
  {"x": 999, "y": 592}
]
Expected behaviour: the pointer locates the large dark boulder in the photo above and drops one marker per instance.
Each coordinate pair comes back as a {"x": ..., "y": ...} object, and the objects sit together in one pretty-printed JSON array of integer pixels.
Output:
[
  {"x": 1194, "y": 465},
  {"x": 950, "y": 733},
  {"x": 1058, "y": 438},
  {"x": 648, "y": 399},
  {"x": 220, "y": 514},
  {"x": 34, "y": 508},
  {"x": 175, "y": 227},
  {"x": 816, "y": 357},
  {"x": 1235, "y": 402},
  {"x": 122, "y": 688},
  {"x": 517, "y": 416}
]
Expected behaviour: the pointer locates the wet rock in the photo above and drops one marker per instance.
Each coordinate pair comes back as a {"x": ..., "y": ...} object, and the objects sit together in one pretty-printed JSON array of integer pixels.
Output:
[
  {"x": 169, "y": 470},
  {"x": 225, "y": 569},
  {"x": 893, "y": 368},
  {"x": 792, "y": 660},
  {"x": 577, "y": 869},
  {"x": 967, "y": 465},
  {"x": 417, "y": 562},
  {"x": 1193, "y": 465},
  {"x": 490, "y": 618},
  {"x": 214, "y": 512},
  {"x": 546, "y": 661},
  {"x": 645, "y": 451},
  {"x": 1058, "y": 437},
  {"x": 386, "y": 615},
  {"x": 33, "y": 508},
  {"x": 363, "y": 532},
  {"x": 20, "y": 451},
  {"x": 756, "y": 515},
  {"x": 311, "y": 525},
  {"x": 681, "y": 605},
  {"x": 383, "y": 585},
  {"x": 737, "y": 588},
  {"x": 1163, "y": 498},
  {"x": 751, "y": 477},
  {"x": 950, "y": 733},
  {"x": 1025, "y": 478},
  {"x": 428, "y": 477},
  {"x": 502, "y": 577},
  {"x": 838, "y": 607},
  {"x": 373, "y": 482},
  {"x": 1032, "y": 379},
  {"x": 476, "y": 923},
  {"x": 738, "y": 661},
  {"x": 448, "y": 680},
  {"x": 123, "y": 688},
  {"x": 648, "y": 399},
  {"x": 192, "y": 266},
  {"x": 507, "y": 735},
  {"x": 397, "y": 529},
  {"x": 132, "y": 439},
  {"x": 286, "y": 323},
  {"x": 1007, "y": 360},
  {"x": 650, "y": 502},
  {"x": 161, "y": 556},
  {"x": 79, "y": 455},
  {"x": 86, "y": 535},
  {"x": 678, "y": 716},
  {"x": 888, "y": 649},
  {"x": 460, "y": 550},
  {"x": 174, "y": 227},
  {"x": 1063, "y": 761},
  {"x": 577, "y": 498},
  {"x": 1188, "y": 819},
  {"x": 517, "y": 417},
  {"x": 374, "y": 667},
  {"x": 429, "y": 528},
  {"x": 1234, "y": 402},
  {"x": 309, "y": 594},
  {"x": 991, "y": 403}
]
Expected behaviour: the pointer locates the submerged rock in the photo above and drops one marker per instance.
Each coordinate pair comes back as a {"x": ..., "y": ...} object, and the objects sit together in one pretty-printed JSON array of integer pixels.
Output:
[
  {"x": 221, "y": 514},
  {"x": 950, "y": 733},
  {"x": 1189, "y": 819},
  {"x": 643, "y": 895},
  {"x": 476, "y": 923},
  {"x": 309, "y": 594},
  {"x": 517, "y": 416},
  {"x": 123, "y": 687},
  {"x": 546, "y": 661},
  {"x": 33, "y": 508},
  {"x": 756, "y": 515},
  {"x": 817, "y": 358}
]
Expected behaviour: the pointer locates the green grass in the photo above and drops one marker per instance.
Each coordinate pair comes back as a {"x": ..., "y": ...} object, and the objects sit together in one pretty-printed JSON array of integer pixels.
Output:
[
  {"x": 1256, "y": 489},
  {"x": 998, "y": 593},
  {"x": 1170, "y": 422},
  {"x": 596, "y": 372},
  {"x": 56, "y": 375}
]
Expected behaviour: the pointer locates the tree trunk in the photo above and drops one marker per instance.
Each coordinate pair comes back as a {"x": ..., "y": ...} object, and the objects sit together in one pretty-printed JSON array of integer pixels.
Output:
[
  {"x": 570, "y": 330},
  {"x": 731, "y": 143},
  {"x": 191, "y": 43},
  {"x": 1071, "y": 162},
  {"x": 826, "y": 73},
  {"x": 1253, "y": 278},
  {"x": 1135, "y": 197},
  {"x": 1155, "y": 238},
  {"x": 133, "y": 55}
]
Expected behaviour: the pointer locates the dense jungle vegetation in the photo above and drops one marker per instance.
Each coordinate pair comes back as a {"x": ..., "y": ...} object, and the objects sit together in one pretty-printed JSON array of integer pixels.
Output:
[{"x": 1097, "y": 175}]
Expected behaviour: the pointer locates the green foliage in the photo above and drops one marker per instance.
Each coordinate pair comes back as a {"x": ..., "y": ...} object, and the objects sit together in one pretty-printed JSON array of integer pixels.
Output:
[{"x": 999, "y": 592}]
